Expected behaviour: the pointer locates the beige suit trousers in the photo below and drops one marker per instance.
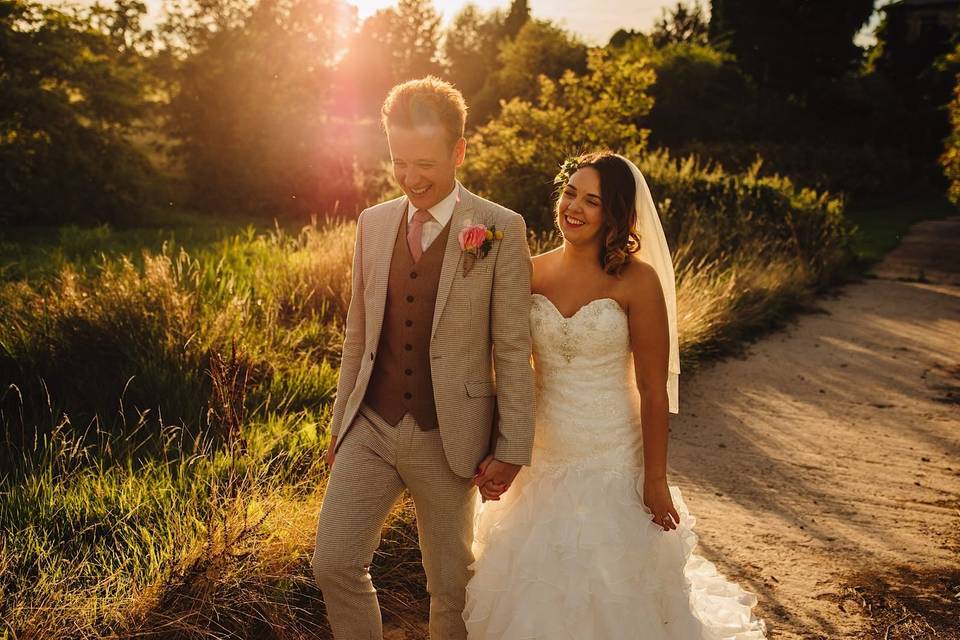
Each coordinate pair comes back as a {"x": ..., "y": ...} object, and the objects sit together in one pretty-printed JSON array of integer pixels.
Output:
[{"x": 373, "y": 464}]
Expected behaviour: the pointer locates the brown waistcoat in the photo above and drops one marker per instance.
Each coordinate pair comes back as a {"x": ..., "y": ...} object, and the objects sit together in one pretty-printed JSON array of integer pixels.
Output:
[{"x": 401, "y": 380}]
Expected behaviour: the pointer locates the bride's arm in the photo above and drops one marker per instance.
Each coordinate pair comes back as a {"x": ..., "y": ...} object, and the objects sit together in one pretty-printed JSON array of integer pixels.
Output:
[{"x": 650, "y": 343}]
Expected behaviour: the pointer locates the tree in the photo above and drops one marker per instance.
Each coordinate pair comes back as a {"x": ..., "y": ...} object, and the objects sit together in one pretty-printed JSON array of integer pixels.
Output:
[
  {"x": 415, "y": 39},
  {"x": 518, "y": 16},
  {"x": 393, "y": 45},
  {"x": 787, "y": 44},
  {"x": 470, "y": 48},
  {"x": 541, "y": 48},
  {"x": 622, "y": 37},
  {"x": 367, "y": 71},
  {"x": 690, "y": 76},
  {"x": 249, "y": 110},
  {"x": 682, "y": 23},
  {"x": 515, "y": 156},
  {"x": 72, "y": 88},
  {"x": 921, "y": 71}
]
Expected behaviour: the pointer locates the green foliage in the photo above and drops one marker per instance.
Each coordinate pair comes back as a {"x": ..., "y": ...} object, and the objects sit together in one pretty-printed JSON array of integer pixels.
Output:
[
  {"x": 248, "y": 110},
  {"x": 100, "y": 543},
  {"x": 395, "y": 44},
  {"x": 786, "y": 45},
  {"x": 681, "y": 23},
  {"x": 851, "y": 134},
  {"x": 158, "y": 531},
  {"x": 517, "y": 17},
  {"x": 689, "y": 76},
  {"x": 413, "y": 39},
  {"x": 921, "y": 71},
  {"x": 470, "y": 50},
  {"x": 124, "y": 331},
  {"x": 72, "y": 87},
  {"x": 540, "y": 48},
  {"x": 950, "y": 160},
  {"x": 514, "y": 157},
  {"x": 715, "y": 215},
  {"x": 856, "y": 171}
]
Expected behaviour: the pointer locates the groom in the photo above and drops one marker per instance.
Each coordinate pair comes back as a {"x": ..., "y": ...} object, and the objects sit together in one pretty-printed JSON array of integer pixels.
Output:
[{"x": 432, "y": 316}]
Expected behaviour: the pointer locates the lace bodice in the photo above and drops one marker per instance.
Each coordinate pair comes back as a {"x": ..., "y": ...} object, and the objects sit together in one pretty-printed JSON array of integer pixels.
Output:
[{"x": 587, "y": 400}]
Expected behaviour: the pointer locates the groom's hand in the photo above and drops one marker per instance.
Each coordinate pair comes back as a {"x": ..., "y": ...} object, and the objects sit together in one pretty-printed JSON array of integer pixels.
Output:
[
  {"x": 495, "y": 477},
  {"x": 329, "y": 456}
]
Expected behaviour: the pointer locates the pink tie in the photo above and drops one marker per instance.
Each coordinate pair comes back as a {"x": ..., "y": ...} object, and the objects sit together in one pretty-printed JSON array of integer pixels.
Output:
[{"x": 415, "y": 233}]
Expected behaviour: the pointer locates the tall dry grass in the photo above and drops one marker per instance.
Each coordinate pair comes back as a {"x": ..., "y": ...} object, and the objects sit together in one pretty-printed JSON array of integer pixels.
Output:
[{"x": 165, "y": 420}]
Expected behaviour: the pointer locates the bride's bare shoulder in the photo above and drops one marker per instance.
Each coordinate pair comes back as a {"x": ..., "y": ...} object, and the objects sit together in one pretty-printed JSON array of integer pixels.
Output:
[
  {"x": 547, "y": 256},
  {"x": 542, "y": 265},
  {"x": 639, "y": 282}
]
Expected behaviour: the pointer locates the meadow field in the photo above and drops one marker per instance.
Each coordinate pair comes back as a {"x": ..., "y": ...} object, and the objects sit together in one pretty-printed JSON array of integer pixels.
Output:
[
  {"x": 178, "y": 223},
  {"x": 170, "y": 388}
]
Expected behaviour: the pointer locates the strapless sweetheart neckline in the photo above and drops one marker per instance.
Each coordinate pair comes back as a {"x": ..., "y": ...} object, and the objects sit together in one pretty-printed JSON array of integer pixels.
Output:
[
  {"x": 571, "y": 550},
  {"x": 582, "y": 307}
]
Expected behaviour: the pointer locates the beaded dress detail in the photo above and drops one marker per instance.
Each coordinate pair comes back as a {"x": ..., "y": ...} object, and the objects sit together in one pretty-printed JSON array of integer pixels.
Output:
[{"x": 570, "y": 551}]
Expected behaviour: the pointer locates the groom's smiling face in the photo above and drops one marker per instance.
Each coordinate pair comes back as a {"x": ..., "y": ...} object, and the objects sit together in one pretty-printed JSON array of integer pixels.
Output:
[{"x": 424, "y": 162}]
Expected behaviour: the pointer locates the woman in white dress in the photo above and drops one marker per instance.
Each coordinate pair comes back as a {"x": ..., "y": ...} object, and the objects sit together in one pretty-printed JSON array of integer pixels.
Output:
[{"x": 590, "y": 542}]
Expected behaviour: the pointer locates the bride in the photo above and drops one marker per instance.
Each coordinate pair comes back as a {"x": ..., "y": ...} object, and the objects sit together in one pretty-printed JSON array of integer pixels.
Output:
[{"x": 591, "y": 542}]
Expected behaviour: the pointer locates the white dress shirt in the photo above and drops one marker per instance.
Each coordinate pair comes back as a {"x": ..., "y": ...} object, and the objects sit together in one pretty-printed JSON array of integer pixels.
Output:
[{"x": 441, "y": 213}]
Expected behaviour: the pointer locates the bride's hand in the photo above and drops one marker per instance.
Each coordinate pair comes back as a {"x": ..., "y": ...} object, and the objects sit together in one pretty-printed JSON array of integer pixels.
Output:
[{"x": 656, "y": 495}]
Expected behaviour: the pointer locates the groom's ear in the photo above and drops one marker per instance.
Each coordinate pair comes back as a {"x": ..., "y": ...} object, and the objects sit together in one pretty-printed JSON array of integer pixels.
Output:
[{"x": 459, "y": 151}]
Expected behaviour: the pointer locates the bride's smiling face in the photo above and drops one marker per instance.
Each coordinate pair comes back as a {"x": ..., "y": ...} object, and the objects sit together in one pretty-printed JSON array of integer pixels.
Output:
[{"x": 580, "y": 207}]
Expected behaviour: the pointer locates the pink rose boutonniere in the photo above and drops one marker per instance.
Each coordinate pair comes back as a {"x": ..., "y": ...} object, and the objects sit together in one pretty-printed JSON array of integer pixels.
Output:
[{"x": 475, "y": 242}]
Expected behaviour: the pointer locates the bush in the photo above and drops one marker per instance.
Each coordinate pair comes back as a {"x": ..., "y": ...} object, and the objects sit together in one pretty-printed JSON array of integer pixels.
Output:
[
  {"x": 856, "y": 171},
  {"x": 514, "y": 157},
  {"x": 950, "y": 160},
  {"x": 689, "y": 77},
  {"x": 714, "y": 215}
]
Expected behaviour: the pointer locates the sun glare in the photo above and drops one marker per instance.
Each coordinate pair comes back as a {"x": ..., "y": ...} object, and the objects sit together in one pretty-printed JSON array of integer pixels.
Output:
[{"x": 448, "y": 8}]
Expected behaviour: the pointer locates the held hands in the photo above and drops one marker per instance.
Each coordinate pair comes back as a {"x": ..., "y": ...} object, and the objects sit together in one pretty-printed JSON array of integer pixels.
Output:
[
  {"x": 656, "y": 496},
  {"x": 494, "y": 477}
]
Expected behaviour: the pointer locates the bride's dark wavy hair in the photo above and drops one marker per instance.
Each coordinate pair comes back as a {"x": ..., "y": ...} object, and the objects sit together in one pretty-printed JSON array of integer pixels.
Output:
[{"x": 619, "y": 196}]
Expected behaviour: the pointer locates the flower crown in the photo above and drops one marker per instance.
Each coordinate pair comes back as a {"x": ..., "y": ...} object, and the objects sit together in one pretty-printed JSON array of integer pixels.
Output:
[{"x": 567, "y": 169}]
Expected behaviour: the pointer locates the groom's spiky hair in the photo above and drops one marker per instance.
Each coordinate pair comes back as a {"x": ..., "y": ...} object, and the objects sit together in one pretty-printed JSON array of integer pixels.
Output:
[{"x": 429, "y": 101}]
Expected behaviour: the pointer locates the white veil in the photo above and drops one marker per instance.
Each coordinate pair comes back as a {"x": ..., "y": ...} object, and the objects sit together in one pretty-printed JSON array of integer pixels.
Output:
[{"x": 655, "y": 252}]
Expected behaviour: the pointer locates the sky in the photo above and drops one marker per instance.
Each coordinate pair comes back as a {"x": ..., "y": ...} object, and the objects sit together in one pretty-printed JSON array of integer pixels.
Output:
[{"x": 593, "y": 20}]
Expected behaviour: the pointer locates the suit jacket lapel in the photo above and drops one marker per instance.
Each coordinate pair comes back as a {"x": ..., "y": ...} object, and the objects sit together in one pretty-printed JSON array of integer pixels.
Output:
[
  {"x": 381, "y": 270},
  {"x": 451, "y": 257}
]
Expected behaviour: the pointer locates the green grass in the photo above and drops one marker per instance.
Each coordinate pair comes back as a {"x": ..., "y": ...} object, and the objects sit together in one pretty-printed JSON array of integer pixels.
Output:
[
  {"x": 146, "y": 491},
  {"x": 41, "y": 252},
  {"x": 882, "y": 224}
]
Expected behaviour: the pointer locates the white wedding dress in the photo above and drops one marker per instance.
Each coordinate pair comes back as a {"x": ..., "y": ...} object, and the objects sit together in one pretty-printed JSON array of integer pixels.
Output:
[{"x": 570, "y": 551}]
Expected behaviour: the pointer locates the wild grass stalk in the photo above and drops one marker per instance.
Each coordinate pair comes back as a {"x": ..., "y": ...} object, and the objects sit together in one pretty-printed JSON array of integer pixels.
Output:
[{"x": 165, "y": 417}]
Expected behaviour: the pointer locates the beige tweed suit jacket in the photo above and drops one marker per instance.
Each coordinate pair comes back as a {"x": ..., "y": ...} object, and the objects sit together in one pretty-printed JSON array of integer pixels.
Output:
[{"x": 480, "y": 328}]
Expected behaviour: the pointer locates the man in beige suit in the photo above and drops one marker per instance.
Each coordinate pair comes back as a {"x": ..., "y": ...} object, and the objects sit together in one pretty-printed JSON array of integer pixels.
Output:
[{"x": 428, "y": 325}]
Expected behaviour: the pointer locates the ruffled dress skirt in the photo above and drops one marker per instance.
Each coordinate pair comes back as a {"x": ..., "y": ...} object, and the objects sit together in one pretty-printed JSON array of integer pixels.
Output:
[{"x": 570, "y": 552}]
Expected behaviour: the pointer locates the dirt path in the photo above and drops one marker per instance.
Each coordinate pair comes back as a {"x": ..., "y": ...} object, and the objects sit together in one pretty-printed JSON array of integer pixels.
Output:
[{"x": 824, "y": 467}]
